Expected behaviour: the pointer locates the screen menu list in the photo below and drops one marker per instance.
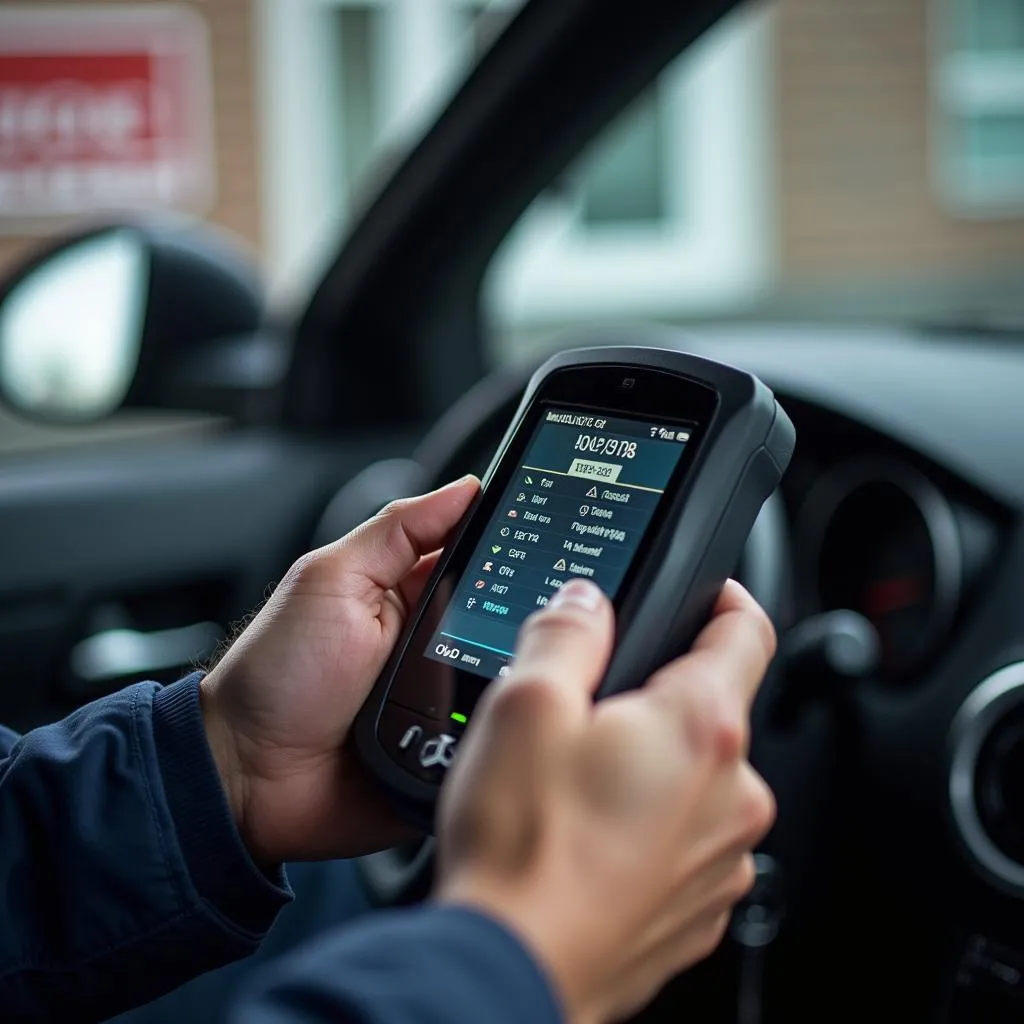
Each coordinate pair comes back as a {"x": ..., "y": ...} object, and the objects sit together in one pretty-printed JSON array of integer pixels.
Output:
[{"x": 578, "y": 506}]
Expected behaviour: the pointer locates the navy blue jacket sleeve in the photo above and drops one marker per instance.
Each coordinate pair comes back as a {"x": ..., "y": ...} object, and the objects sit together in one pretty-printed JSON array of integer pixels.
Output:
[
  {"x": 124, "y": 876},
  {"x": 121, "y": 870},
  {"x": 436, "y": 965}
]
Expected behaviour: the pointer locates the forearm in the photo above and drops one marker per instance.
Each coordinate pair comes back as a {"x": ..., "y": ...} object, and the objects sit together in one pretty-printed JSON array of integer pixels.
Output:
[
  {"x": 124, "y": 871},
  {"x": 427, "y": 966}
]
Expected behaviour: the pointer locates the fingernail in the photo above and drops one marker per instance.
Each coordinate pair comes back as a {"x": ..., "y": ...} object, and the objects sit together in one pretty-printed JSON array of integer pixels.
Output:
[{"x": 582, "y": 593}]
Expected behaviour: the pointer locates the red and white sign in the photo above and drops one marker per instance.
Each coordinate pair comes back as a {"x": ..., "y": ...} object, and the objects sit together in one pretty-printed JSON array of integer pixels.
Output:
[{"x": 104, "y": 108}]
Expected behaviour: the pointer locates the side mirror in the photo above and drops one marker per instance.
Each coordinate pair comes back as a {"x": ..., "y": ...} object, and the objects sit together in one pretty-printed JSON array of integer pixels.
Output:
[{"x": 158, "y": 315}]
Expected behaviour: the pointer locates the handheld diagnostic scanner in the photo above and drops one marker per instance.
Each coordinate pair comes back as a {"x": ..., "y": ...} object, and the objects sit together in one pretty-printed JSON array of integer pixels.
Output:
[{"x": 640, "y": 469}]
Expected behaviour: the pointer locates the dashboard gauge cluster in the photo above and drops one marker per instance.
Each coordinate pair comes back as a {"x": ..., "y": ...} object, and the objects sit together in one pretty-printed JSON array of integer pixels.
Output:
[{"x": 879, "y": 538}]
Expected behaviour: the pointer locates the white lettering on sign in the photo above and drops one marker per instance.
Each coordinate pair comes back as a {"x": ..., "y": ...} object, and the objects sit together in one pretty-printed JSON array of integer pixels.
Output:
[{"x": 60, "y": 118}]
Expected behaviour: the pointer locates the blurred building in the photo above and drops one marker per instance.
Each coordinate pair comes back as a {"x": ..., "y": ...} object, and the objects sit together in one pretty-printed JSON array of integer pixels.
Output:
[
  {"x": 900, "y": 159},
  {"x": 811, "y": 157}
]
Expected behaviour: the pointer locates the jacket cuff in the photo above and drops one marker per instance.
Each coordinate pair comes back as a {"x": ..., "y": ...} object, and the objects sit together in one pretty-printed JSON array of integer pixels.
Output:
[{"x": 223, "y": 873}]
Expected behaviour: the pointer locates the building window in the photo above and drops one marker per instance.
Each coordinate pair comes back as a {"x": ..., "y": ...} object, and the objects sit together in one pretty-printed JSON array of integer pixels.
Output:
[
  {"x": 625, "y": 180},
  {"x": 979, "y": 89},
  {"x": 668, "y": 214}
]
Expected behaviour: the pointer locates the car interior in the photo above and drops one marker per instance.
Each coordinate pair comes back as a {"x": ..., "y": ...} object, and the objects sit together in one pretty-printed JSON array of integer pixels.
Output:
[{"x": 891, "y": 559}]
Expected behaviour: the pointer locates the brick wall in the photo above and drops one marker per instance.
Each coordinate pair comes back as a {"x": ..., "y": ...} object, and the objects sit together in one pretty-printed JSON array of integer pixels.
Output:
[
  {"x": 853, "y": 107},
  {"x": 237, "y": 205}
]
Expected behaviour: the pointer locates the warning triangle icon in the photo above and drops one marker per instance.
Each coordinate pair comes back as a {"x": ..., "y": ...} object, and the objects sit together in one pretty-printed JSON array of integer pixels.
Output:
[
  {"x": 592, "y": 493},
  {"x": 560, "y": 565}
]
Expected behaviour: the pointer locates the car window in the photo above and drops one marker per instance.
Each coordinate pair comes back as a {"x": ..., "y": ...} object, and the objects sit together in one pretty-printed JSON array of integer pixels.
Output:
[{"x": 806, "y": 160}]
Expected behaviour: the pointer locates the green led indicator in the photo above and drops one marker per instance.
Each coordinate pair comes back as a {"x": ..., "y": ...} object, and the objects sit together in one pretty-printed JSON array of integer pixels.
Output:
[{"x": 458, "y": 717}]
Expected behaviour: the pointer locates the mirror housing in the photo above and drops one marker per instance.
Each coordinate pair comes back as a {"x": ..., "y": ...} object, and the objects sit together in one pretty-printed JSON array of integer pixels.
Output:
[{"x": 148, "y": 314}]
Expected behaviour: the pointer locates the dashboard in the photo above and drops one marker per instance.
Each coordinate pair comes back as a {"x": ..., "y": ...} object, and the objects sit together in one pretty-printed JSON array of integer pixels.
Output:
[
  {"x": 898, "y": 763},
  {"x": 902, "y": 505}
]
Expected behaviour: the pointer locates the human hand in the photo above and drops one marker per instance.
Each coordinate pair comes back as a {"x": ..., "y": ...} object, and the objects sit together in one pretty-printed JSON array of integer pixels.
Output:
[
  {"x": 279, "y": 704},
  {"x": 613, "y": 838}
]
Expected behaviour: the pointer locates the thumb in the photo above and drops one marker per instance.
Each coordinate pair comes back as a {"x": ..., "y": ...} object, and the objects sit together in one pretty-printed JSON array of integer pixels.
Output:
[
  {"x": 563, "y": 651},
  {"x": 388, "y": 546},
  {"x": 560, "y": 657}
]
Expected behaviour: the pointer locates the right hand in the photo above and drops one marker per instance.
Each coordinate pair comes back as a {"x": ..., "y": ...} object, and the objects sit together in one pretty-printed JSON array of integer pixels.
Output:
[{"x": 613, "y": 838}]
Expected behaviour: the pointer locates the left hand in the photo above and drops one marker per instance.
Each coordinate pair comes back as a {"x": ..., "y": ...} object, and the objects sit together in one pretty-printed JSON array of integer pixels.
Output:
[{"x": 279, "y": 705}]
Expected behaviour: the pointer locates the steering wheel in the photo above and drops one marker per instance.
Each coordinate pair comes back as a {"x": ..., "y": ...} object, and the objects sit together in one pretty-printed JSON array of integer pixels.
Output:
[{"x": 461, "y": 442}]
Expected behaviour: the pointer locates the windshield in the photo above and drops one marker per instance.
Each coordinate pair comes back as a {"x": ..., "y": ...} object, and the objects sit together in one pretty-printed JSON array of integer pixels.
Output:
[{"x": 807, "y": 160}]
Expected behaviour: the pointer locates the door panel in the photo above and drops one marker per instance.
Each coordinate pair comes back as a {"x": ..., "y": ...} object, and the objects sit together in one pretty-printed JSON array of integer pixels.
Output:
[{"x": 128, "y": 555}]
